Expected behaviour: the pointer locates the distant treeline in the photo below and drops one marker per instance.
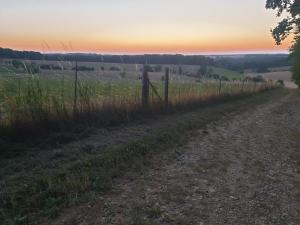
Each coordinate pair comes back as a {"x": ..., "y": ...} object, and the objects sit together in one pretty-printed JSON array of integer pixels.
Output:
[
  {"x": 134, "y": 59},
  {"x": 257, "y": 63},
  {"x": 127, "y": 59},
  {"x": 12, "y": 54}
]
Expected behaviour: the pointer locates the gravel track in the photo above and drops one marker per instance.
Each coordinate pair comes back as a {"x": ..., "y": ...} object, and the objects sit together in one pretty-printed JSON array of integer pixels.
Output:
[{"x": 242, "y": 170}]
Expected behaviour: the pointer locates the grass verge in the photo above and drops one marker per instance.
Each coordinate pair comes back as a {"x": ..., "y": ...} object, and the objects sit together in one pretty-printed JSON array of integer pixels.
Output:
[{"x": 46, "y": 196}]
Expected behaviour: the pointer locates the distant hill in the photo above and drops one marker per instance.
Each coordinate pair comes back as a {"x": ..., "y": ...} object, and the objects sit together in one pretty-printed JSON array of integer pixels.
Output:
[
  {"x": 239, "y": 63},
  {"x": 13, "y": 54},
  {"x": 127, "y": 59},
  {"x": 255, "y": 62}
]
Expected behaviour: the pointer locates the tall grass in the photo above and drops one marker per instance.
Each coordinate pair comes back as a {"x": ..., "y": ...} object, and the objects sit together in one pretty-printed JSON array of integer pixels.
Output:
[{"x": 36, "y": 104}]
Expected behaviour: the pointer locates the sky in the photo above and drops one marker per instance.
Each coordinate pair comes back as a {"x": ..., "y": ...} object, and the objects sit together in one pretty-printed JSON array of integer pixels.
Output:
[{"x": 139, "y": 26}]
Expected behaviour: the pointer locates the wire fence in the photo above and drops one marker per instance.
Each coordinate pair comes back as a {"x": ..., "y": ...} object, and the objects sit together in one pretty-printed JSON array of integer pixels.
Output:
[{"x": 61, "y": 95}]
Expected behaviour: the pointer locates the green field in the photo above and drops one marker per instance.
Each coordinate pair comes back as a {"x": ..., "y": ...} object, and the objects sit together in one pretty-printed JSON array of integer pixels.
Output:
[
  {"x": 230, "y": 74},
  {"x": 40, "y": 100}
]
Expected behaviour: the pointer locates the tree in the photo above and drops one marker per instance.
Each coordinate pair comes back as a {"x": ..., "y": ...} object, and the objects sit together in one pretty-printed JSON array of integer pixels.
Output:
[
  {"x": 296, "y": 62},
  {"x": 262, "y": 69},
  {"x": 46, "y": 67},
  {"x": 17, "y": 64},
  {"x": 180, "y": 70},
  {"x": 280, "y": 83},
  {"x": 31, "y": 68},
  {"x": 157, "y": 68},
  {"x": 202, "y": 71},
  {"x": 258, "y": 79},
  {"x": 210, "y": 72},
  {"x": 290, "y": 24}
]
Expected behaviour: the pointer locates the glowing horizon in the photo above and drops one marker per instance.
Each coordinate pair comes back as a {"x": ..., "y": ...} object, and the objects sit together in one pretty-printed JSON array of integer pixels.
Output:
[{"x": 139, "y": 26}]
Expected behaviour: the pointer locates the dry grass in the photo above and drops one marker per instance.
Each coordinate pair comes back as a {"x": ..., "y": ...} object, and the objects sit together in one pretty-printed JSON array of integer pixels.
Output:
[{"x": 36, "y": 104}]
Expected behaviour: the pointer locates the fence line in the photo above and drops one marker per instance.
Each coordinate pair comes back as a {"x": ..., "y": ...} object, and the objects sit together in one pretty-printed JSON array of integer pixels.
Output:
[
  {"x": 166, "y": 87},
  {"x": 75, "y": 88},
  {"x": 147, "y": 84},
  {"x": 43, "y": 93}
]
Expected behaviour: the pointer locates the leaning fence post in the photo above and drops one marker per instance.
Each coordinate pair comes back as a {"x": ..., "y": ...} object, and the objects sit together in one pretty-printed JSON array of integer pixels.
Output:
[
  {"x": 167, "y": 87},
  {"x": 75, "y": 89},
  {"x": 145, "y": 88}
]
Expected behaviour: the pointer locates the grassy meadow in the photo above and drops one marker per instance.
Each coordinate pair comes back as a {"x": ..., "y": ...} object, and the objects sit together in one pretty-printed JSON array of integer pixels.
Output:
[{"x": 105, "y": 93}]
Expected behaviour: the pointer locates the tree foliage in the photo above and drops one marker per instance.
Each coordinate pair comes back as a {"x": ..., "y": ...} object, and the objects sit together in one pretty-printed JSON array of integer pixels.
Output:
[
  {"x": 288, "y": 25},
  {"x": 296, "y": 62}
]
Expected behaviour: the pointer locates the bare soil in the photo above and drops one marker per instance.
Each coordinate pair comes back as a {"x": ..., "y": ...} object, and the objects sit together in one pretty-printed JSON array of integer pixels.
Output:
[{"x": 240, "y": 169}]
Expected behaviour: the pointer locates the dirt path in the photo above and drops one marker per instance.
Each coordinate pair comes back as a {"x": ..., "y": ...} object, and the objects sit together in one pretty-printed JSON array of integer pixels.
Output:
[
  {"x": 243, "y": 170},
  {"x": 41, "y": 159}
]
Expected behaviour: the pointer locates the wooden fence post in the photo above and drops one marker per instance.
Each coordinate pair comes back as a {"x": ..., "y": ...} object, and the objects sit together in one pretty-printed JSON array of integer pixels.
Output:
[
  {"x": 145, "y": 88},
  {"x": 167, "y": 87},
  {"x": 243, "y": 84},
  {"x": 75, "y": 88},
  {"x": 19, "y": 87}
]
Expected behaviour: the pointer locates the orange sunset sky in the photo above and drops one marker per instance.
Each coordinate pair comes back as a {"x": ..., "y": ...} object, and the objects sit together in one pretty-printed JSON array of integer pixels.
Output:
[{"x": 139, "y": 26}]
